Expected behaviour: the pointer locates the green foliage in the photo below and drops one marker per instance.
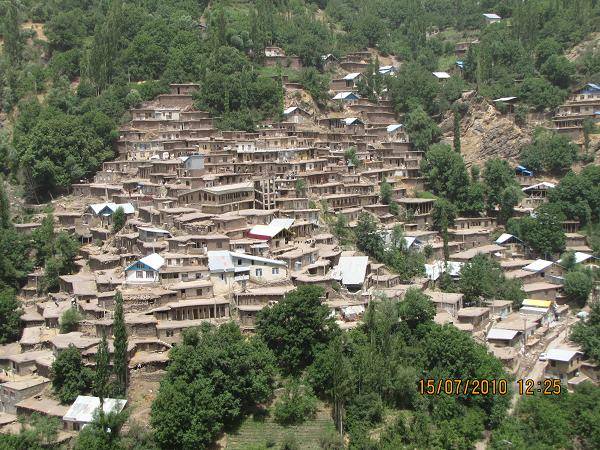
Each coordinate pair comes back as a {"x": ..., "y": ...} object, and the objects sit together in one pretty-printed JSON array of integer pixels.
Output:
[
  {"x": 446, "y": 174},
  {"x": 59, "y": 256},
  {"x": 351, "y": 157},
  {"x": 578, "y": 286},
  {"x": 102, "y": 372},
  {"x": 232, "y": 89},
  {"x": 577, "y": 196},
  {"x": 316, "y": 85},
  {"x": 296, "y": 327},
  {"x": 103, "y": 433},
  {"x": 70, "y": 320},
  {"x": 70, "y": 377},
  {"x": 542, "y": 233},
  {"x": 456, "y": 133},
  {"x": 215, "y": 377},
  {"x": 482, "y": 279},
  {"x": 587, "y": 333},
  {"x": 421, "y": 129},
  {"x": 549, "y": 152},
  {"x": 509, "y": 198},
  {"x": 368, "y": 236},
  {"x": 385, "y": 192},
  {"x": 558, "y": 70},
  {"x": 10, "y": 316},
  {"x": 540, "y": 93},
  {"x": 497, "y": 177},
  {"x": 296, "y": 404},
  {"x": 60, "y": 149},
  {"x": 340, "y": 229},
  {"x": 121, "y": 356},
  {"x": 37, "y": 433},
  {"x": 413, "y": 87},
  {"x": 118, "y": 220},
  {"x": 416, "y": 308},
  {"x": 553, "y": 421}
]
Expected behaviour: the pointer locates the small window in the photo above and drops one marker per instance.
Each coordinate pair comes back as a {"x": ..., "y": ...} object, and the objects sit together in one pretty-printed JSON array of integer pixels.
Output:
[
  {"x": 275, "y": 271},
  {"x": 139, "y": 274},
  {"x": 169, "y": 333},
  {"x": 149, "y": 274},
  {"x": 259, "y": 272}
]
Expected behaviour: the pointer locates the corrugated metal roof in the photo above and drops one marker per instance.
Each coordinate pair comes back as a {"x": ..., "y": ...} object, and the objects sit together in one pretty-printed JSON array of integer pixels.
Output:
[
  {"x": 538, "y": 265},
  {"x": 441, "y": 75},
  {"x": 559, "y": 354},
  {"x": 84, "y": 407},
  {"x": 500, "y": 333},
  {"x": 503, "y": 238},
  {"x": 351, "y": 270},
  {"x": 220, "y": 261}
]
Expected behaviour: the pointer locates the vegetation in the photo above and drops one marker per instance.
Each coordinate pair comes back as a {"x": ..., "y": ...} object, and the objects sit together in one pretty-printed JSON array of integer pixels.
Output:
[
  {"x": 296, "y": 405},
  {"x": 10, "y": 316},
  {"x": 121, "y": 355},
  {"x": 552, "y": 421},
  {"x": 118, "y": 220},
  {"x": 296, "y": 327},
  {"x": 587, "y": 333},
  {"x": 550, "y": 153},
  {"x": 482, "y": 279},
  {"x": 542, "y": 233},
  {"x": 70, "y": 377},
  {"x": 70, "y": 320},
  {"x": 215, "y": 377}
]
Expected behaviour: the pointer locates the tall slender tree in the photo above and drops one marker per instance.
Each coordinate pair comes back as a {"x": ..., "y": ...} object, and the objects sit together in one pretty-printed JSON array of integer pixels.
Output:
[
  {"x": 13, "y": 41},
  {"x": 121, "y": 360},
  {"x": 102, "y": 374},
  {"x": 5, "y": 221},
  {"x": 456, "y": 140}
]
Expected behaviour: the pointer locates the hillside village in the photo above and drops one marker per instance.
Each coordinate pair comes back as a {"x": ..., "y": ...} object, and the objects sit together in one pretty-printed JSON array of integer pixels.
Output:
[
  {"x": 191, "y": 224},
  {"x": 223, "y": 224}
]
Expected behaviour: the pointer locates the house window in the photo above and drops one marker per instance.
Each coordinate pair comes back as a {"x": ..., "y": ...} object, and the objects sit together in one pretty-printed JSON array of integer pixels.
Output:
[
  {"x": 169, "y": 333},
  {"x": 275, "y": 271},
  {"x": 139, "y": 274},
  {"x": 222, "y": 276},
  {"x": 258, "y": 272},
  {"x": 239, "y": 262},
  {"x": 149, "y": 274}
]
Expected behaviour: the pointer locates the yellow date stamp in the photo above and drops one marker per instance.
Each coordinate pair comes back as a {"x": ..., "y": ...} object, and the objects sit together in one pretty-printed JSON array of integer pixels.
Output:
[{"x": 458, "y": 386}]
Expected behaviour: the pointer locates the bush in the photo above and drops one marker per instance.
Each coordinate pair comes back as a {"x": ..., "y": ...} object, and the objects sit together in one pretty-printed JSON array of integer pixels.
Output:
[
  {"x": 296, "y": 405},
  {"x": 69, "y": 320}
]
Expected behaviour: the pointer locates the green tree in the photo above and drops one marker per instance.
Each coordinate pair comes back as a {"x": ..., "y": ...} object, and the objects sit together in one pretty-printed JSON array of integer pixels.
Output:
[
  {"x": 121, "y": 356},
  {"x": 385, "y": 192},
  {"x": 118, "y": 220},
  {"x": 443, "y": 215},
  {"x": 558, "y": 70},
  {"x": 5, "y": 219},
  {"x": 368, "y": 236},
  {"x": 421, "y": 129},
  {"x": 215, "y": 377},
  {"x": 296, "y": 405},
  {"x": 103, "y": 433},
  {"x": 456, "y": 135},
  {"x": 446, "y": 173},
  {"x": 416, "y": 308},
  {"x": 11, "y": 32},
  {"x": 509, "y": 198},
  {"x": 101, "y": 386},
  {"x": 587, "y": 333},
  {"x": 497, "y": 176},
  {"x": 549, "y": 152},
  {"x": 296, "y": 327},
  {"x": 542, "y": 233},
  {"x": 351, "y": 157},
  {"x": 578, "y": 286},
  {"x": 70, "y": 377},
  {"x": 10, "y": 316},
  {"x": 70, "y": 320},
  {"x": 480, "y": 279}
]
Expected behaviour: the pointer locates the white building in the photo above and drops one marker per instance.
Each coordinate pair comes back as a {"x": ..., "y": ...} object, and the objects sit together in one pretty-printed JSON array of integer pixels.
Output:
[{"x": 145, "y": 270}]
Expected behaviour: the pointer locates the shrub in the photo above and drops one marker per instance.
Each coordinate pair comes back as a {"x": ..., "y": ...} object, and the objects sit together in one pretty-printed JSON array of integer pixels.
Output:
[{"x": 296, "y": 405}]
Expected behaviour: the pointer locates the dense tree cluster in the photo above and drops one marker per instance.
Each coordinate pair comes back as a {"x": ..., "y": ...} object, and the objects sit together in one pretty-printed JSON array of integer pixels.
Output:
[
  {"x": 565, "y": 421},
  {"x": 215, "y": 376}
]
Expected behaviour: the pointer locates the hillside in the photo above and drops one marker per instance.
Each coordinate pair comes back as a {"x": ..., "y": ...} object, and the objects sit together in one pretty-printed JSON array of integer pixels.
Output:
[{"x": 320, "y": 224}]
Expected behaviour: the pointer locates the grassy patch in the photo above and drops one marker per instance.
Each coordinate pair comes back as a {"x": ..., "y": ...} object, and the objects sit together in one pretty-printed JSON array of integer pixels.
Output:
[{"x": 262, "y": 432}]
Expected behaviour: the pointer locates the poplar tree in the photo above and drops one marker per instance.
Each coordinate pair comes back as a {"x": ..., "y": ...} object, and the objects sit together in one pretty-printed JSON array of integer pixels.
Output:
[
  {"x": 456, "y": 141},
  {"x": 121, "y": 359},
  {"x": 102, "y": 375}
]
